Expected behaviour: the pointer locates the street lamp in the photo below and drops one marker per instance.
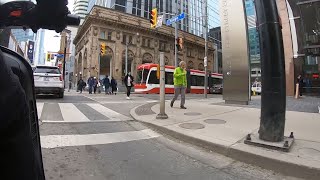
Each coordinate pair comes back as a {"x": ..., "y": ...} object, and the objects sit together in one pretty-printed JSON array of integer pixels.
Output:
[{"x": 127, "y": 44}]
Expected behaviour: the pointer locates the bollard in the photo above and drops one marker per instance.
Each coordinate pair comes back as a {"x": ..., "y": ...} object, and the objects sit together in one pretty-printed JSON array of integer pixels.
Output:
[
  {"x": 297, "y": 91},
  {"x": 162, "y": 114}
]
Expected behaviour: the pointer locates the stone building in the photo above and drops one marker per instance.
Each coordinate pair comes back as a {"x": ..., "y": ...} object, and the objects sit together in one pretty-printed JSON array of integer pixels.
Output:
[{"x": 118, "y": 30}]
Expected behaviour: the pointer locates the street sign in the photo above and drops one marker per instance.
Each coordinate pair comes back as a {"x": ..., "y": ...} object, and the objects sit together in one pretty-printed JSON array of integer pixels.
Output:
[
  {"x": 175, "y": 19},
  {"x": 159, "y": 21},
  {"x": 59, "y": 55},
  {"x": 205, "y": 61}
]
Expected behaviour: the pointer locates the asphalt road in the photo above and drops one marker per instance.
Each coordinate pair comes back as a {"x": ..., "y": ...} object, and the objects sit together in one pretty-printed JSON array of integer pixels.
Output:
[{"x": 94, "y": 138}]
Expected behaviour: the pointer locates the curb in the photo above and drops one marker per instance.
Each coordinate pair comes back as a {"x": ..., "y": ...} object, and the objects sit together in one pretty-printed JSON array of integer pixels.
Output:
[{"x": 283, "y": 167}]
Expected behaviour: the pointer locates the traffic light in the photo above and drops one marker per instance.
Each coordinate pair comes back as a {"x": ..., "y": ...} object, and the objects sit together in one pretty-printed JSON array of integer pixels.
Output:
[
  {"x": 158, "y": 71},
  {"x": 180, "y": 44},
  {"x": 153, "y": 17},
  {"x": 103, "y": 49},
  {"x": 48, "y": 57}
]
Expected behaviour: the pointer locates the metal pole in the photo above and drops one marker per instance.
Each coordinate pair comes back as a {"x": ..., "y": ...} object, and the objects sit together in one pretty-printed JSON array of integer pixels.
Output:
[
  {"x": 64, "y": 63},
  {"x": 175, "y": 45},
  {"x": 216, "y": 59},
  {"x": 273, "y": 96},
  {"x": 162, "y": 114},
  {"x": 206, "y": 51},
  {"x": 126, "y": 58}
]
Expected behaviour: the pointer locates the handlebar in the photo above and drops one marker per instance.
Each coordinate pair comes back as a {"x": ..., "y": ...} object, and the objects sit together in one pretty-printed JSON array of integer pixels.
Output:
[{"x": 45, "y": 14}]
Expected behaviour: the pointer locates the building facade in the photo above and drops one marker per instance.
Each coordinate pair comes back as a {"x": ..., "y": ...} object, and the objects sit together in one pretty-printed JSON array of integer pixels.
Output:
[
  {"x": 193, "y": 9},
  {"x": 39, "y": 55},
  {"x": 104, "y": 25}
]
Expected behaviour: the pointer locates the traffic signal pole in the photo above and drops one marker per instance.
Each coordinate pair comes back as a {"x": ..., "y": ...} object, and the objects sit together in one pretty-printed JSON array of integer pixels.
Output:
[
  {"x": 206, "y": 51},
  {"x": 273, "y": 96},
  {"x": 175, "y": 43}
]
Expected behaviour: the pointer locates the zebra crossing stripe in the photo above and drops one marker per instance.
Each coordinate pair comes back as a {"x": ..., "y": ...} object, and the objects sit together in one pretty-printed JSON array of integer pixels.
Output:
[
  {"x": 54, "y": 141},
  {"x": 71, "y": 113},
  {"x": 108, "y": 112},
  {"x": 39, "y": 109}
]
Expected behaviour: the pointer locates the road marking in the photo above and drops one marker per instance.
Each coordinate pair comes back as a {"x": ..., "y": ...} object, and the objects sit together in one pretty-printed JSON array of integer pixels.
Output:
[
  {"x": 93, "y": 121},
  {"x": 107, "y": 112},
  {"x": 39, "y": 109},
  {"x": 54, "y": 141},
  {"x": 125, "y": 101},
  {"x": 71, "y": 113}
]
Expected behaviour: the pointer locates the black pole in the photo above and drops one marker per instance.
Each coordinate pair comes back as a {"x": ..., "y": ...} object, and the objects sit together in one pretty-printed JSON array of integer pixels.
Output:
[
  {"x": 64, "y": 64},
  {"x": 273, "y": 96}
]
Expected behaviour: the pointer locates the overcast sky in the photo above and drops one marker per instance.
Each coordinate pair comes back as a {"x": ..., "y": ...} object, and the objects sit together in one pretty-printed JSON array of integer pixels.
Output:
[{"x": 52, "y": 43}]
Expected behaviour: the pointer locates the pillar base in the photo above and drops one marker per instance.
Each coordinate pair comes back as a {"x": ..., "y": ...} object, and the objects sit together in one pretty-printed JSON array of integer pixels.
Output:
[
  {"x": 284, "y": 145},
  {"x": 162, "y": 116}
]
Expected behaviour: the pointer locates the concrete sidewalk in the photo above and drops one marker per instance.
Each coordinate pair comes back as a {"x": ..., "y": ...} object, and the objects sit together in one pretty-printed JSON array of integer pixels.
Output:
[{"x": 210, "y": 124}]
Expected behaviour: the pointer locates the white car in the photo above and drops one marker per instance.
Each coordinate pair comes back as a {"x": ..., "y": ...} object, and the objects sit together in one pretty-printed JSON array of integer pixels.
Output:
[
  {"x": 48, "y": 80},
  {"x": 256, "y": 87}
]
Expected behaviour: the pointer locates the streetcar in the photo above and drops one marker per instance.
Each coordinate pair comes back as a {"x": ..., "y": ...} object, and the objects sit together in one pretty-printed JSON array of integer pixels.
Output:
[{"x": 148, "y": 83}]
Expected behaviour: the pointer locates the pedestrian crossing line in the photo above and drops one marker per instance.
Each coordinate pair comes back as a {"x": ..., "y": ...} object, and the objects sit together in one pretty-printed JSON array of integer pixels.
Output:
[
  {"x": 107, "y": 112},
  {"x": 54, "y": 141},
  {"x": 124, "y": 101},
  {"x": 71, "y": 113},
  {"x": 90, "y": 121},
  {"x": 39, "y": 109}
]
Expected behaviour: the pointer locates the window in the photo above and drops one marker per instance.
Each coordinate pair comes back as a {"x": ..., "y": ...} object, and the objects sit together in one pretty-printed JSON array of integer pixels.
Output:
[
  {"x": 193, "y": 80},
  {"x": 149, "y": 43},
  {"x": 124, "y": 38},
  {"x": 134, "y": 8},
  {"x": 146, "y": 8},
  {"x": 169, "y": 78},
  {"x": 47, "y": 70},
  {"x": 200, "y": 81},
  {"x": 143, "y": 42},
  {"x": 120, "y": 5},
  {"x": 103, "y": 34},
  {"x": 189, "y": 52},
  {"x": 130, "y": 40},
  {"x": 139, "y": 8},
  {"x": 142, "y": 76},
  {"x": 110, "y": 35},
  {"x": 153, "y": 78},
  {"x": 162, "y": 46}
]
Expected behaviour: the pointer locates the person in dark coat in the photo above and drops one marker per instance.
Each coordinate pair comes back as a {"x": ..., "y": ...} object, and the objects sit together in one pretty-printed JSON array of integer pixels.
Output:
[
  {"x": 95, "y": 84},
  {"x": 91, "y": 84},
  {"x": 81, "y": 83},
  {"x": 300, "y": 81},
  {"x": 128, "y": 81},
  {"x": 106, "y": 83},
  {"x": 113, "y": 86}
]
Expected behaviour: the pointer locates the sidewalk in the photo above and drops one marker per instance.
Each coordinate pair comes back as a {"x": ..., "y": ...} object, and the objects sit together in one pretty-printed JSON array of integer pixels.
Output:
[{"x": 210, "y": 124}]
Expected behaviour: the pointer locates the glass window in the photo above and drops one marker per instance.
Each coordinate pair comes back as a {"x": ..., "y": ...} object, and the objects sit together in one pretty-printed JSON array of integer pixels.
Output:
[
  {"x": 169, "y": 78},
  {"x": 149, "y": 43},
  {"x": 153, "y": 78},
  {"x": 120, "y": 5},
  {"x": 48, "y": 70},
  {"x": 130, "y": 39},
  {"x": 142, "y": 76},
  {"x": 193, "y": 80},
  {"x": 124, "y": 39},
  {"x": 103, "y": 34},
  {"x": 200, "y": 81},
  {"x": 143, "y": 42},
  {"x": 110, "y": 35}
]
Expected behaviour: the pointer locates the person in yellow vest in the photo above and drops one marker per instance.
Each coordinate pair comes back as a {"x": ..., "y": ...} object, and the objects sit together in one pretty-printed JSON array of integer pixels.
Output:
[{"x": 180, "y": 84}]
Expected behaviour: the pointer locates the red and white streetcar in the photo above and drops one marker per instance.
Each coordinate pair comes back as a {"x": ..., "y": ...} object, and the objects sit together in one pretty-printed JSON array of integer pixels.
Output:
[{"x": 148, "y": 83}]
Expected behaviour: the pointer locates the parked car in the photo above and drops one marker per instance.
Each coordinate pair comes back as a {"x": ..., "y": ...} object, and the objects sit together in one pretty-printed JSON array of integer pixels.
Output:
[
  {"x": 256, "y": 87},
  {"x": 216, "y": 89},
  {"x": 48, "y": 80}
]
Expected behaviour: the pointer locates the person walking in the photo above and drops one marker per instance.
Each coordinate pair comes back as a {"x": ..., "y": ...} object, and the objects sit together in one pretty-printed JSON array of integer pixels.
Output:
[
  {"x": 80, "y": 84},
  {"x": 106, "y": 83},
  {"x": 114, "y": 86},
  {"x": 128, "y": 81},
  {"x": 95, "y": 85},
  {"x": 180, "y": 84},
  {"x": 300, "y": 81},
  {"x": 91, "y": 84}
]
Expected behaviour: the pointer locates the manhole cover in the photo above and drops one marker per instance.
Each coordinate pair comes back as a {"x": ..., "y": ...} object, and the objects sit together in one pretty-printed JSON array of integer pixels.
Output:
[
  {"x": 192, "y": 126},
  {"x": 215, "y": 121},
  {"x": 192, "y": 114}
]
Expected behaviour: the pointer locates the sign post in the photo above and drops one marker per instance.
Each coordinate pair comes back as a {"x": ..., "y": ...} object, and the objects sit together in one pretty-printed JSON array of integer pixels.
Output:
[{"x": 162, "y": 114}]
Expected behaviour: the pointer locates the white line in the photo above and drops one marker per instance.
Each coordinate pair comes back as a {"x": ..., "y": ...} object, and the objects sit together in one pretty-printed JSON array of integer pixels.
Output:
[
  {"x": 108, "y": 112},
  {"x": 93, "y": 121},
  {"x": 71, "y": 113},
  {"x": 39, "y": 109},
  {"x": 54, "y": 141}
]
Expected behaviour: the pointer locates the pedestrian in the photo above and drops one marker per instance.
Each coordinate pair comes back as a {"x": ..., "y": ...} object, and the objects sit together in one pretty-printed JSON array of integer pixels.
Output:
[
  {"x": 106, "y": 83},
  {"x": 90, "y": 84},
  {"x": 307, "y": 84},
  {"x": 70, "y": 85},
  {"x": 180, "y": 84},
  {"x": 128, "y": 81},
  {"x": 80, "y": 84},
  {"x": 300, "y": 81},
  {"x": 95, "y": 85},
  {"x": 114, "y": 86}
]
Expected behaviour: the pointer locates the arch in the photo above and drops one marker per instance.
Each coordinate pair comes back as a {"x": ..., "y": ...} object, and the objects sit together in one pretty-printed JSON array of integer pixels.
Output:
[
  {"x": 105, "y": 66},
  {"x": 166, "y": 60},
  {"x": 130, "y": 60},
  {"x": 190, "y": 65},
  {"x": 147, "y": 58},
  {"x": 201, "y": 67}
]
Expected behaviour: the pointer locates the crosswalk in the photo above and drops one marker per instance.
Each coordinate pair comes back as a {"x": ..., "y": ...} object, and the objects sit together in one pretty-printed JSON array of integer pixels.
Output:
[{"x": 77, "y": 112}]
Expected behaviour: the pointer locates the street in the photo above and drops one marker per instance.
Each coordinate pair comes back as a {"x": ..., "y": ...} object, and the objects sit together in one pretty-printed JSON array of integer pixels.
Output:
[{"x": 94, "y": 137}]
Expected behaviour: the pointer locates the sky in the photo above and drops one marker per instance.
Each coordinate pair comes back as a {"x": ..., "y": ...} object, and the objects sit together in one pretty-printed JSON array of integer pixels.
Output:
[{"x": 52, "y": 43}]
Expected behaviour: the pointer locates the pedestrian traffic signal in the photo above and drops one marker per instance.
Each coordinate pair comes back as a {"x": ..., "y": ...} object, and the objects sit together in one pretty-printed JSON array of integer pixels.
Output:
[
  {"x": 153, "y": 17},
  {"x": 103, "y": 49},
  {"x": 180, "y": 44}
]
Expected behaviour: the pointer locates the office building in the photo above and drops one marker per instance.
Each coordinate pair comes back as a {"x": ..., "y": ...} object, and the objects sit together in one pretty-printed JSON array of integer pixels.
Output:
[
  {"x": 80, "y": 8},
  {"x": 194, "y": 10},
  {"x": 39, "y": 56}
]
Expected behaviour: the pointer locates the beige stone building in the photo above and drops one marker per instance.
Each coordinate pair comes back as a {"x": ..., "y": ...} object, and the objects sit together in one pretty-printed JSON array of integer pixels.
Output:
[{"x": 115, "y": 28}]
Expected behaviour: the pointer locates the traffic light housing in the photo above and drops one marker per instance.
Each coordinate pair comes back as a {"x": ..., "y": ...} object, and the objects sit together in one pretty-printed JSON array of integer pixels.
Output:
[
  {"x": 180, "y": 44},
  {"x": 158, "y": 71},
  {"x": 103, "y": 49},
  {"x": 153, "y": 17}
]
